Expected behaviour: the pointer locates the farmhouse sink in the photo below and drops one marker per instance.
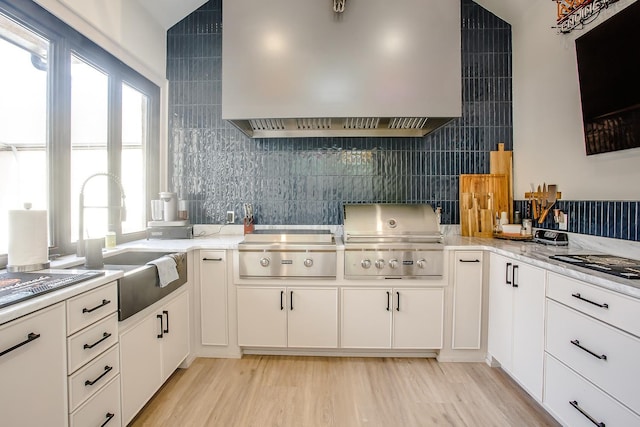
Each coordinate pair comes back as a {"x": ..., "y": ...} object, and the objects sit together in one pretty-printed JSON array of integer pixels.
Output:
[{"x": 140, "y": 286}]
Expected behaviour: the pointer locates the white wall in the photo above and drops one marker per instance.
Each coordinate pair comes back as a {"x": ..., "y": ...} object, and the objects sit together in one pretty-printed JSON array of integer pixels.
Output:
[
  {"x": 127, "y": 31},
  {"x": 548, "y": 136}
]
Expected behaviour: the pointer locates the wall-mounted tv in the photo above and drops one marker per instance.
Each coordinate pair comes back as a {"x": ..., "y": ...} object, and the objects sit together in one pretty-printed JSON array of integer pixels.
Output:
[{"x": 609, "y": 73}]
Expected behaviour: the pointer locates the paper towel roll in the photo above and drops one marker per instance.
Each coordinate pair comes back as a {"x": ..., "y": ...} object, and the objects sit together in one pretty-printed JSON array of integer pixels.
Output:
[{"x": 28, "y": 240}]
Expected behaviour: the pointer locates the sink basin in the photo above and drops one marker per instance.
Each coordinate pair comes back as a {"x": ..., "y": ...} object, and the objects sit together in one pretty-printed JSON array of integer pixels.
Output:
[{"x": 140, "y": 285}]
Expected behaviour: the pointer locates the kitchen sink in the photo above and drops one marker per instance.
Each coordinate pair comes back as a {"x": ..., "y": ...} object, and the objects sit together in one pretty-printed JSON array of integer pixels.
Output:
[{"x": 140, "y": 286}]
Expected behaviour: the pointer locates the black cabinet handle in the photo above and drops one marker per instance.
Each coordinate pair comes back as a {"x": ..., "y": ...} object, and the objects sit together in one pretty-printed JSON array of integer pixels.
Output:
[
  {"x": 398, "y": 303},
  {"x": 109, "y": 416},
  {"x": 469, "y": 260},
  {"x": 388, "y": 301},
  {"x": 166, "y": 313},
  {"x": 107, "y": 369},
  {"x": 506, "y": 277},
  {"x": 583, "y": 412},
  {"x": 104, "y": 337},
  {"x": 161, "y": 317},
  {"x": 89, "y": 310},
  {"x": 281, "y": 300},
  {"x": 597, "y": 356},
  {"x": 513, "y": 275},
  {"x": 291, "y": 301},
  {"x": 30, "y": 337},
  {"x": 212, "y": 259},
  {"x": 577, "y": 295}
]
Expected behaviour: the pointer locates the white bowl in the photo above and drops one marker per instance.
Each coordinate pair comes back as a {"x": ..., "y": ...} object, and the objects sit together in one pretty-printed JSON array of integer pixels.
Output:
[{"x": 511, "y": 228}]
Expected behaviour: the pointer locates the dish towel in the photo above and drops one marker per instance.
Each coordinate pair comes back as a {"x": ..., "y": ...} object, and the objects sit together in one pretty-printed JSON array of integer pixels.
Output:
[{"x": 167, "y": 270}]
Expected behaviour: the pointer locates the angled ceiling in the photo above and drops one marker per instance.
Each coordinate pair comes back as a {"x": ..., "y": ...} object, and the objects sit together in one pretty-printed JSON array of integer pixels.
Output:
[{"x": 169, "y": 12}]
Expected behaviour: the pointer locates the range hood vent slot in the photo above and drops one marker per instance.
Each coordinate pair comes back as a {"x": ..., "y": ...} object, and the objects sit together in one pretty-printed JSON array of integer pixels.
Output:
[
  {"x": 361, "y": 122},
  {"x": 267, "y": 124},
  {"x": 313, "y": 124},
  {"x": 407, "y": 123}
]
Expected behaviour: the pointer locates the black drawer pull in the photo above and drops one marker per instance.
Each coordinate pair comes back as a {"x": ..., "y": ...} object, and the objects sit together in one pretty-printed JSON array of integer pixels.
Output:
[
  {"x": 212, "y": 259},
  {"x": 109, "y": 417},
  {"x": 89, "y": 310},
  {"x": 398, "y": 302},
  {"x": 107, "y": 369},
  {"x": 291, "y": 301},
  {"x": 577, "y": 344},
  {"x": 281, "y": 300},
  {"x": 30, "y": 337},
  {"x": 166, "y": 313},
  {"x": 583, "y": 412},
  {"x": 388, "y": 300},
  {"x": 161, "y": 334},
  {"x": 469, "y": 260},
  {"x": 506, "y": 274},
  {"x": 515, "y": 271},
  {"x": 577, "y": 295},
  {"x": 104, "y": 337}
]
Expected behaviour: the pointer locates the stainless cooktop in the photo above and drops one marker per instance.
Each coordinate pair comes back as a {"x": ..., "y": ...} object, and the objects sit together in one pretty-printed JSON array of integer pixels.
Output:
[{"x": 610, "y": 264}]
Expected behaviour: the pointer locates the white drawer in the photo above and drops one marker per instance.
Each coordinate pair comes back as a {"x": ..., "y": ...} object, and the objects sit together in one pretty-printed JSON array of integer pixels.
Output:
[
  {"x": 84, "y": 383},
  {"x": 91, "y": 306},
  {"x": 613, "y": 308},
  {"x": 606, "y": 356},
  {"x": 103, "y": 409},
  {"x": 563, "y": 386},
  {"x": 90, "y": 342}
]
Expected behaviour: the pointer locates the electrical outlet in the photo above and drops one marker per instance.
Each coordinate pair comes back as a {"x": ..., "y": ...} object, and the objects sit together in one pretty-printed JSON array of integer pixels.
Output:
[
  {"x": 231, "y": 217},
  {"x": 564, "y": 225}
]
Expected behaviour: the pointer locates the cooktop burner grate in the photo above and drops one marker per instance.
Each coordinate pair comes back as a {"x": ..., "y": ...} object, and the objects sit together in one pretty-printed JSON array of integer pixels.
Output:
[
  {"x": 610, "y": 264},
  {"x": 17, "y": 287}
]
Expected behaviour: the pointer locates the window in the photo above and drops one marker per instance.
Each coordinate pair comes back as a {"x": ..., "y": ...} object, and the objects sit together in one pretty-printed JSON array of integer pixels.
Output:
[{"x": 68, "y": 111}]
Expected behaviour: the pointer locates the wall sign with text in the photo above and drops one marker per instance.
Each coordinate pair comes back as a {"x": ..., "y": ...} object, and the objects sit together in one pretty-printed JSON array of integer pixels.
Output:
[{"x": 574, "y": 14}]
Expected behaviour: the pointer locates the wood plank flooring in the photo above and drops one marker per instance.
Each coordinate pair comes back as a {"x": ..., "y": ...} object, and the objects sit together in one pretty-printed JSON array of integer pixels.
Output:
[{"x": 292, "y": 391}]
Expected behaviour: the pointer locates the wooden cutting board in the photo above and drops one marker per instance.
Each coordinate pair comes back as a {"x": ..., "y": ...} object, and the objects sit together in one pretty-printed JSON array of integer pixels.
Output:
[
  {"x": 481, "y": 196},
  {"x": 501, "y": 162}
]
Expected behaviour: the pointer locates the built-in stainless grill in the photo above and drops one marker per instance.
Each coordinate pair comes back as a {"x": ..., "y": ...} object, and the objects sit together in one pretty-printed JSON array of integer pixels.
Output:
[
  {"x": 296, "y": 253},
  {"x": 391, "y": 241}
]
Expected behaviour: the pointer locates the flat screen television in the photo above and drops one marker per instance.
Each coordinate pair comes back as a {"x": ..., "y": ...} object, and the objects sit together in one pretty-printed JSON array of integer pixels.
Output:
[{"x": 609, "y": 74}]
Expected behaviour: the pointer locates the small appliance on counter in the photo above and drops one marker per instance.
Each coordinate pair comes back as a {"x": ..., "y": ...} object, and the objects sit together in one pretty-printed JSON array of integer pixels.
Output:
[
  {"x": 549, "y": 237},
  {"x": 170, "y": 218}
]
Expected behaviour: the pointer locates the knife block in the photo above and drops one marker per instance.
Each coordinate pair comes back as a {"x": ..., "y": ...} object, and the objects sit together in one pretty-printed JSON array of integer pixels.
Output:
[{"x": 476, "y": 214}]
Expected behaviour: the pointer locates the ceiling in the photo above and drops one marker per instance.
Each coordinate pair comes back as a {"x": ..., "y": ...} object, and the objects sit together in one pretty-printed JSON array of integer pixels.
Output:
[{"x": 169, "y": 12}]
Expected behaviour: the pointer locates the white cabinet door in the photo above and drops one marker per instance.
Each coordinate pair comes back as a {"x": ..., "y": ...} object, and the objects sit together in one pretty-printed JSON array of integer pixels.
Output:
[
  {"x": 501, "y": 310},
  {"x": 262, "y": 317},
  {"x": 213, "y": 297},
  {"x": 366, "y": 318},
  {"x": 467, "y": 300},
  {"x": 33, "y": 369},
  {"x": 175, "y": 335},
  {"x": 312, "y": 317},
  {"x": 140, "y": 364},
  {"x": 528, "y": 327},
  {"x": 417, "y": 318}
]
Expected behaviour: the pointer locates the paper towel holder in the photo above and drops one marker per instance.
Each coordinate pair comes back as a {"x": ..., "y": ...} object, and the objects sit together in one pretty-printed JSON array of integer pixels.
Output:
[{"x": 24, "y": 268}]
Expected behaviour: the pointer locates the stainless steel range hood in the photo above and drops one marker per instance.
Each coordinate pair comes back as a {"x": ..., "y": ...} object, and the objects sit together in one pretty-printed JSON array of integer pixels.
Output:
[{"x": 296, "y": 68}]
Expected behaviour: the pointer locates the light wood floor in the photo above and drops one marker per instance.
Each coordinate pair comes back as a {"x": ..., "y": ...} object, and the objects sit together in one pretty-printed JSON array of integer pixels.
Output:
[{"x": 336, "y": 391}]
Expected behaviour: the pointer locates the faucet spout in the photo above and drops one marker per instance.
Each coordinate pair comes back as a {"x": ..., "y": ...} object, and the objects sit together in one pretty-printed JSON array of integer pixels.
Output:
[{"x": 122, "y": 208}]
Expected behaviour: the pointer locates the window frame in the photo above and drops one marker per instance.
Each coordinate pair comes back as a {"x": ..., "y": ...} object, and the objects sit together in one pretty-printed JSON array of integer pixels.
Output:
[{"x": 65, "y": 41}]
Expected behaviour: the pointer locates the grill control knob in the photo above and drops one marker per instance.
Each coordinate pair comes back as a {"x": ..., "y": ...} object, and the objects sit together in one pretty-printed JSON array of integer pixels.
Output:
[
  {"x": 366, "y": 263},
  {"x": 380, "y": 264},
  {"x": 422, "y": 263},
  {"x": 264, "y": 262},
  {"x": 308, "y": 262},
  {"x": 393, "y": 263}
]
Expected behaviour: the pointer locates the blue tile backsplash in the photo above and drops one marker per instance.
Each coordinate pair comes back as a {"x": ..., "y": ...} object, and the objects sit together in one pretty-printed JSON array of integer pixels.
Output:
[{"x": 307, "y": 180}]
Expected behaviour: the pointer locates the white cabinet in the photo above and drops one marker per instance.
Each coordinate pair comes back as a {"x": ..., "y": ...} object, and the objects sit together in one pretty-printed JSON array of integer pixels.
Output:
[
  {"x": 213, "y": 298},
  {"x": 150, "y": 350},
  {"x": 401, "y": 318},
  {"x": 33, "y": 369},
  {"x": 287, "y": 317},
  {"x": 467, "y": 300},
  {"x": 516, "y": 320},
  {"x": 592, "y": 341}
]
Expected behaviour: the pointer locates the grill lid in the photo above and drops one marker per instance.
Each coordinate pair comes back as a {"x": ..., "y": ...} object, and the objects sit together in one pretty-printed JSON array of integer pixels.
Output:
[{"x": 366, "y": 223}]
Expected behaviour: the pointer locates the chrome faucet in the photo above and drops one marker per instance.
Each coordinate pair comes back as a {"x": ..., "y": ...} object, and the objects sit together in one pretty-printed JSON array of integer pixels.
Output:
[{"x": 122, "y": 208}]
